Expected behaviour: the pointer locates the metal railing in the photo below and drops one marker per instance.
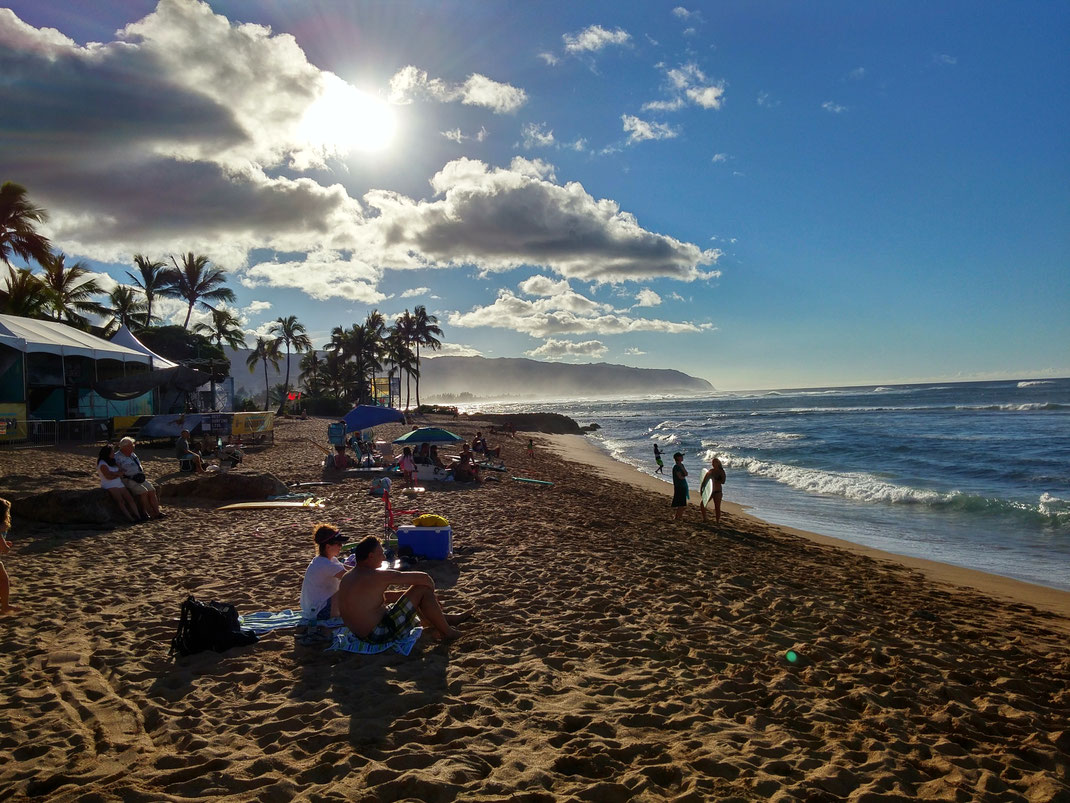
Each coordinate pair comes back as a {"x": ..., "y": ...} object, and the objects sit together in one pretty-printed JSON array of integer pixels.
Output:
[{"x": 31, "y": 433}]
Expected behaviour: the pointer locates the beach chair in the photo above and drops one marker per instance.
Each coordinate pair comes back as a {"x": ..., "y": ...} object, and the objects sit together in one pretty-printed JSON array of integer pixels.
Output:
[
  {"x": 391, "y": 526},
  {"x": 336, "y": 433}
]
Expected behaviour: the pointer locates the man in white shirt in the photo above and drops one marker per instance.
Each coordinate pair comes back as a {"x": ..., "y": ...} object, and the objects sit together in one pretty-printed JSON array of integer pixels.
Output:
[
  {"x": 320, "y": 586},
  {"x": 134, "y": 480}
]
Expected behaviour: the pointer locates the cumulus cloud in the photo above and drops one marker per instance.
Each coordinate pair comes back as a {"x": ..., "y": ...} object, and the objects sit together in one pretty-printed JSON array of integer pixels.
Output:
[
  {"x": 682, "y": 13},
  {"x": 410, "y": 83},
  {"x": 688, "y": 84},
  {"x": 594, "y": 38},
  {"x": 536, "y": 135},
  {"x": 558, "y": 310},
  {"x": 256, "y": 307},
  {"x": 833, "y": 108},
  {"x": 641, "y": 130},
  {"x": 647, "y": 298},
  {"x": 189, "y": 133},
  {"x": 452, "y": 350},
  {"x": 413, "y": 292},
  {"x": 323, "y": 274},
  {"x": 549, "y": 59},
  {"x": 634, "y": 352},
  {"x": 553, "y": 349}
]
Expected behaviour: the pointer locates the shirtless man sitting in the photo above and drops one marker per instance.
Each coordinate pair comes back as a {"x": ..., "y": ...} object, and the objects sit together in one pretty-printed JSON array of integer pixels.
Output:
[{"x": 379, "y": 616}]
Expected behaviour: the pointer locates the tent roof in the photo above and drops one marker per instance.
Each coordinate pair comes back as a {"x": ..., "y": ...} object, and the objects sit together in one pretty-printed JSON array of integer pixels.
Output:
[
  {"x": 51, "y": 337},
  {"x": 124, "y": 337}
]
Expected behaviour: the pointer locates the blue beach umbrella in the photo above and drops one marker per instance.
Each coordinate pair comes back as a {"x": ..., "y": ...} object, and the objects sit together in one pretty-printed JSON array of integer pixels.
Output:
[
  {"x": 429, "y": 435},
  {"x": 365, "y": 416}
]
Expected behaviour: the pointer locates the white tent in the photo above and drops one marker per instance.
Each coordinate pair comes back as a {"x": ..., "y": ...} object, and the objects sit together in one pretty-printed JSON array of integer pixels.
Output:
[
  {"x": 32, "y": 336},
  {"x": 124, "y": 337}
]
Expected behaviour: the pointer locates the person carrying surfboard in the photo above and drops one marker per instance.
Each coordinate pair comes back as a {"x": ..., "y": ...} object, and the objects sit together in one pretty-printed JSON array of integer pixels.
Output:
[{"x": 711, "y": 489}]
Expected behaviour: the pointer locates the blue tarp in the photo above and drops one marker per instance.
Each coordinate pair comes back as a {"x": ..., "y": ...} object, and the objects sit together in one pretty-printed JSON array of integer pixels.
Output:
[{"x": 364, "y": 416}]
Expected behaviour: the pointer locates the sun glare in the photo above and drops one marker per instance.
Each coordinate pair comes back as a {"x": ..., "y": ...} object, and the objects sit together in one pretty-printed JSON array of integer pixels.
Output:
[{"x": 346, "y": 119}]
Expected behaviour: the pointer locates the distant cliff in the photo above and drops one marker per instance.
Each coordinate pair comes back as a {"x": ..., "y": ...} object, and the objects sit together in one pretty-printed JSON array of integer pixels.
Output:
[
  {"x": 487, "y": 378},
  {"x": 505, "y": 376}
]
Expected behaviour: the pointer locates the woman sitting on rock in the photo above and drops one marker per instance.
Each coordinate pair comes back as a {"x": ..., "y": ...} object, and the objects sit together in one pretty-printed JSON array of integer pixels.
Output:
[{"x": 111, "y": 480}]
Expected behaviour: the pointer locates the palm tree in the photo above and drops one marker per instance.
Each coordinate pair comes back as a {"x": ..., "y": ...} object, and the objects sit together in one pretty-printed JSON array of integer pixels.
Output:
[
  {"x": 405, "y": 326},
  {"x": 194, "y": 281},
  {"x": 267, "y": 350},
  {"x": 127, "y": 308},
  {"x": 224, "y": 329},
  {"x": 151, "y": 278},
  {"x": 24, "y": 295},
  {"x": 375, "y": 327},
  {"x": 18, "y": 218},
  {"x": 290, "y": 332},
  {"x": 400, "y": 356},
  {"x": 311, "y": 366},
  {"x": 424, "y": 329},
  {"x": 71, "y": 290}
]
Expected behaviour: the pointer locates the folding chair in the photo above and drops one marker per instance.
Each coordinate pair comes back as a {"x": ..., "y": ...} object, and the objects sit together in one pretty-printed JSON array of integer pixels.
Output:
[{"x": 391, "y": 527}]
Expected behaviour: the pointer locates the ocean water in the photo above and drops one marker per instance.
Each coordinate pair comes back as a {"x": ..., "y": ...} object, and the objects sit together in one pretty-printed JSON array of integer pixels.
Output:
[{"x": 973, "y": 474}]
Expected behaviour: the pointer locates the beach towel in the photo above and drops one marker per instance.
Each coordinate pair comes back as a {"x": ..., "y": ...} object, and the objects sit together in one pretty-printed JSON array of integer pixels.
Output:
[
  {"x": 342, "y": 639},
  {"x": 346, "y": 641}
]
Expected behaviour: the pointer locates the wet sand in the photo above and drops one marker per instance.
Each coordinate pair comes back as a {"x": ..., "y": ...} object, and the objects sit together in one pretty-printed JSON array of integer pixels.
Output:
[{"x": 614, "y": 655}]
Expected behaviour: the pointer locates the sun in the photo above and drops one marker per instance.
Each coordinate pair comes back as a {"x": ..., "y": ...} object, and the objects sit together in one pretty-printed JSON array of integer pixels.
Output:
[{"x": 345, "y": 119}]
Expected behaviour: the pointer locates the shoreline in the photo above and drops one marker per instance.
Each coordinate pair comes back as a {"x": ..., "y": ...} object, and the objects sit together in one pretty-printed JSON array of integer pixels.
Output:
[{"x": 579, "y": 449}]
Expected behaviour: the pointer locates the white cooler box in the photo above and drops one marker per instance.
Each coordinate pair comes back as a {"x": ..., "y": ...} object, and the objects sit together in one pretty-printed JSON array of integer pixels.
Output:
[{"x": 435, "y": 543}]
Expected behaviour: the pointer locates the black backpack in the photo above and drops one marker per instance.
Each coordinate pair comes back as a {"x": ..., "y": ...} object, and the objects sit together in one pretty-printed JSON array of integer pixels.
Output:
[{"x": 209, "y": 626}]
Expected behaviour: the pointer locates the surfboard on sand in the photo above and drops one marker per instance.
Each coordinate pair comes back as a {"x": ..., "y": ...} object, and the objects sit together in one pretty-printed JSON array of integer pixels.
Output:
[
  {"x": 412, "y": 491},
  {"x": 309, "y": 503},
  {"x": 533, "y": 482}
]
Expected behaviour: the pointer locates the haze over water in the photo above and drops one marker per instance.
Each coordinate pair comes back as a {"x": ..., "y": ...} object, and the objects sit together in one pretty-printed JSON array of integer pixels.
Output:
[{"x": 973, "y": 474}]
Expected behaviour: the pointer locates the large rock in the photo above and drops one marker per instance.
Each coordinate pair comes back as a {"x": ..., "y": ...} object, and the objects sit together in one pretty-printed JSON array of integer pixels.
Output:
[
  {"x": 93, "y": 506},
  {"x": 230, "y": 485}
]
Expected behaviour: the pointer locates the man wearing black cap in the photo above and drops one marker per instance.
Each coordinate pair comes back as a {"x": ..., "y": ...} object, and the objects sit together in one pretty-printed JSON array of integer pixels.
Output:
[
  {"x": 319, "y": 590},
  {"x": 379, "y": 616},
  {"x": 679, "y": 486}
]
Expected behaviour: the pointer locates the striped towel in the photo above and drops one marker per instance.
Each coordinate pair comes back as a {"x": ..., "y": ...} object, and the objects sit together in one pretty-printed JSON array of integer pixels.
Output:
[{"x": 342, "y": 639}]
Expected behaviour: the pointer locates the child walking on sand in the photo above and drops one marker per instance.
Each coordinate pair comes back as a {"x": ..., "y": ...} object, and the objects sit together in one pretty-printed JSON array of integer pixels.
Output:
[
  {"x": 5, "y": 547},
  {"x": 531, "y": 447}
]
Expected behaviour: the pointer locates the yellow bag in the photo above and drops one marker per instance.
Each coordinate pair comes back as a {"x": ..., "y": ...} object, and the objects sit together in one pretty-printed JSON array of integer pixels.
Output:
[{"x": 430, "y": 520}]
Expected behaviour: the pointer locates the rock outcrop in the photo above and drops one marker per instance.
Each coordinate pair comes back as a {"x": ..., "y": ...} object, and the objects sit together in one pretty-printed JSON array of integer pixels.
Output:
[
  {"x": 230, "y": 485},
  {"x": 94, "y": 506}
]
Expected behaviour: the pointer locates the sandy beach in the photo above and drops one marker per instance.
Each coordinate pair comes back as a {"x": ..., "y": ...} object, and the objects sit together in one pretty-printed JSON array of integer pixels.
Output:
[{"x": 614, "y": 655}]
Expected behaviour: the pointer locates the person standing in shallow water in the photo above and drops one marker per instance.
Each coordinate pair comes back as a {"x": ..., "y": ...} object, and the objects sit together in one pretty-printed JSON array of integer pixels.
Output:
[
  {"x": 657, "y": 459},
  {"x": 679, "y": 486}
]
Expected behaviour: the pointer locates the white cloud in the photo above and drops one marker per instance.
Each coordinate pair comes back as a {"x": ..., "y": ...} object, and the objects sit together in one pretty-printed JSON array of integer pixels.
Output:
[
  {"x": 833, "y": 108},
  {"x": 549, "y": 59},
  {"x": 641, "y": 130},
  {"x": 323, "y": 274},
  {"x": 687, "y": 83},
  {"x": 682, "y": 13},
  {"x": 215, "y": 112},
  {"x": 647, "y": 298},
  {"x": 944, "y": 58},
  {"x": 718, "y": 158},
  {"x": 634, "y": 352},
  {"x": 256, "y": 307},
  {"x": 456, "y": 135},
  {"x": 553, "y": 349},
  {"x": 594, "y": 38},
  {"x": 411, "y": 82},
  {"x": 413, "y": 292},
  {"x": 559, "y": 310},
  {"x": 452, "y": 350},
  {"x": 536, "y": 136},
  {"x": 767, "y": 101},
  {"x": 857, "y": 74}
]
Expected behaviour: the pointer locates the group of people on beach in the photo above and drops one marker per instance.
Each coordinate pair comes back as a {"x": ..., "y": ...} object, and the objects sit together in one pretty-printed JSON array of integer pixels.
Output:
[
  {"x": 361, "y": 594},
  {"x": 714, "y": 474},
  {"x": 123, "y": 477}
]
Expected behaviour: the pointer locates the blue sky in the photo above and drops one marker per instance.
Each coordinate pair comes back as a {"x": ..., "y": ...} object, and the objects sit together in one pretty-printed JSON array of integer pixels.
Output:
[{"x": 760, "y": 194}]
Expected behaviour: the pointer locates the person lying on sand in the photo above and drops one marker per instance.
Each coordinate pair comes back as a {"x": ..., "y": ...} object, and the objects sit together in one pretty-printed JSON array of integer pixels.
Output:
[
  {"x": 379, "y": 616},
  {"x": 5, "y": 547}
]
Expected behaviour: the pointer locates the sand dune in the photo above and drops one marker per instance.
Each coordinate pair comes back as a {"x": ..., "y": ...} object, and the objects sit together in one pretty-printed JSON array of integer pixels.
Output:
[{"x": 614, "y": 656}]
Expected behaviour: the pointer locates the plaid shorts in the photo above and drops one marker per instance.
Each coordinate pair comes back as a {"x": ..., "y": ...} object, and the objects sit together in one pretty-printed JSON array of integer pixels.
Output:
[{"x": 398, "y": 620}]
